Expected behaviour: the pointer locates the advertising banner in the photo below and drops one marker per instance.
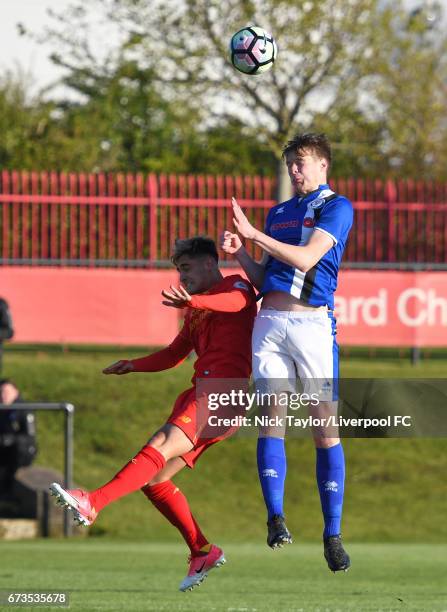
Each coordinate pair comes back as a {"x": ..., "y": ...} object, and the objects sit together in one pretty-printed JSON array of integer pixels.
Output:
[
  {"x": 119, "y": 306},
  {"x": 391, "y": 308}
]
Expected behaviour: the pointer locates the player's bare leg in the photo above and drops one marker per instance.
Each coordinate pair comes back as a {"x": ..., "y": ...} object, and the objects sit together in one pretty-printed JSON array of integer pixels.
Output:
[{"x": 172, "y": 467}]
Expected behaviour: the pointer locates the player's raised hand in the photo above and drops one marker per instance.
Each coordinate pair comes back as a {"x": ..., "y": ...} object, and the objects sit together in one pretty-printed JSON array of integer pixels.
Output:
[
  {"x": 230, "y": 243},
  {"x": 241, "y": 223},
  {"x": 176, "y": 297},
  {"x": 119, "y": 367}
]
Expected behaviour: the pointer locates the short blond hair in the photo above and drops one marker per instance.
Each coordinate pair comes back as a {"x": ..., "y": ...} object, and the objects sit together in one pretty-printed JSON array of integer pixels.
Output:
[{"x": 318, "y": 144}]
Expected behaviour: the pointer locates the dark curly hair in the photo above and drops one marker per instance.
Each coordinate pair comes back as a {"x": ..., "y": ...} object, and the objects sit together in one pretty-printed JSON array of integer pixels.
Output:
[{"x": 194, "y": 247}]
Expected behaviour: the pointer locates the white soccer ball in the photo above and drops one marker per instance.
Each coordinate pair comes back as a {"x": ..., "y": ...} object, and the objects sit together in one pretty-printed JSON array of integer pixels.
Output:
[{"x": 253, "y": 50}]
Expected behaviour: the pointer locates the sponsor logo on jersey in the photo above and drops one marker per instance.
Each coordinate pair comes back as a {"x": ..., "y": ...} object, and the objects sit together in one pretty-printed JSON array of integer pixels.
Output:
[
  {"x": 279, "y": 210},
  {"x": 308, "y": 222},
  {"x": 270, "y": 473},
  {"x": 284, "y": 225},
  {"x": 185, "y": 419},
  {"x": 331, "y": 485}
]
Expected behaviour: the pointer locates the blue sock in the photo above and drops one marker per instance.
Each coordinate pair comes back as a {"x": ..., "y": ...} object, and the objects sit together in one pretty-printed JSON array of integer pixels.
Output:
[
  {"x": 331, "y": 482},
  {"x": 272, "y": 469}
]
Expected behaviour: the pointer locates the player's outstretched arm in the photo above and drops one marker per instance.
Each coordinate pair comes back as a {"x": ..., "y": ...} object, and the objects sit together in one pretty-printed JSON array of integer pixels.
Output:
[
  {"x": 231, "y": 244},
  {"x": 165, "y": 359}
]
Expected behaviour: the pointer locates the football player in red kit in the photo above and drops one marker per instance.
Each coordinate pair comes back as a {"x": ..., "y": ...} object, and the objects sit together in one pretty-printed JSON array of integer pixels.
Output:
[{"x": 219, "y": 316}]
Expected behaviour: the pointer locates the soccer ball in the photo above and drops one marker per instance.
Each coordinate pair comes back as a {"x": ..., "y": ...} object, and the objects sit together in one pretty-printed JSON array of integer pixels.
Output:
[{"x": 253, "y": 50}]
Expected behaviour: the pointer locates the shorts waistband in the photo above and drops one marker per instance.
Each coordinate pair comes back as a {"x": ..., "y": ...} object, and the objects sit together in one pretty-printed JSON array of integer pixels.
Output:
[{"x": 294, "y": 314}]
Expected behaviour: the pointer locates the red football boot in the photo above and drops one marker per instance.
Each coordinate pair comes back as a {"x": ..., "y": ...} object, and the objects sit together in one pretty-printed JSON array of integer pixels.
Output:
[{"x": 199, "y": 566}]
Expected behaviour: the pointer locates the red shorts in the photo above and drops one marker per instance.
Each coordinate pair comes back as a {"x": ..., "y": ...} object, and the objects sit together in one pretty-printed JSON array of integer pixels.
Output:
[{"x": 203, "y": 426}]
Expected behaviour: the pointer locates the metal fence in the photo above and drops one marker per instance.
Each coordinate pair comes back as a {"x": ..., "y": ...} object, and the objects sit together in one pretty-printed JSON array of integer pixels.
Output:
[
  {"x": 127, "y": 220},
  {"x": 68, "y": 410}
]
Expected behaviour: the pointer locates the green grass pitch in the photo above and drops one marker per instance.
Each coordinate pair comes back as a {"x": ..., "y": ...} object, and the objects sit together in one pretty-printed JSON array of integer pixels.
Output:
[
  {"x": 105, "y": 575},
  {"x": 402, "y": 480},
  {"x": 394, "y": 516}
]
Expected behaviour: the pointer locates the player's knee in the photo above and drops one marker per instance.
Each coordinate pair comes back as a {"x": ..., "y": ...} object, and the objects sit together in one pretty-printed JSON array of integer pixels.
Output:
[
  {"x": 158, "y": 440},
  {"x": 322, "y": 441},
  {"x": 164, "y": 445},
  {"x": 272, "y": 432}
]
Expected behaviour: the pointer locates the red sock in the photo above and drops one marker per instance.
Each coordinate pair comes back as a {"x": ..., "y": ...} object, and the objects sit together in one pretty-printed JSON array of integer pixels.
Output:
[
  {"x": 171, "y": 502},
  {"x": 139, "y": 471}
]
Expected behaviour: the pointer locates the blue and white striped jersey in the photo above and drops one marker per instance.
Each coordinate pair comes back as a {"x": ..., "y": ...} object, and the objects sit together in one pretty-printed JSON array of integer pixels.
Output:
[{"x": 293, "y": 222}]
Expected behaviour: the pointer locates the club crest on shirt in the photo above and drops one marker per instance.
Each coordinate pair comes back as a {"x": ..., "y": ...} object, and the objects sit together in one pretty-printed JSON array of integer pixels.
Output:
[
  {"x": 317, "y": 203},
  {"x": 197, "y": 318}
]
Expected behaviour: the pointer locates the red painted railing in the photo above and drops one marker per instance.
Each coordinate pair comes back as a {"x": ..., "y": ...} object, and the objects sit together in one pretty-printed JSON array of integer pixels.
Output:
[{"x": 132, "y": 220}]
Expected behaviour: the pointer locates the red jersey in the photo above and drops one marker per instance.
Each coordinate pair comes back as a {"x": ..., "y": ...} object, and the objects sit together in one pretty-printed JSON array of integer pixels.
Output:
[{"x": 218, "y": 326}]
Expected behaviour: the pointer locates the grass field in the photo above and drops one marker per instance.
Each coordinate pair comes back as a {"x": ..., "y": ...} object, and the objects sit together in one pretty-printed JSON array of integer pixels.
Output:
[
  {"x": 394, "y": 514},
  {"x": 400, "y": 479},
  {"x": 104, "y": 575}
]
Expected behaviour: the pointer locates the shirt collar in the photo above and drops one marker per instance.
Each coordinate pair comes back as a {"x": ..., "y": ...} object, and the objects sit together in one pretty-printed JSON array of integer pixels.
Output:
[{"x": 312, "y": 195}]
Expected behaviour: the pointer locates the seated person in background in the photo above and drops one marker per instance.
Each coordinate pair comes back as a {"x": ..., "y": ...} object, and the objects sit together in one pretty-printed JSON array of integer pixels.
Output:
[{"x": 17, "y": 436}]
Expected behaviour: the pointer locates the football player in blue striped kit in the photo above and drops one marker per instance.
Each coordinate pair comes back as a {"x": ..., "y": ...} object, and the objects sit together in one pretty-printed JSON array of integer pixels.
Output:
[{"x": 294, "y": 333}]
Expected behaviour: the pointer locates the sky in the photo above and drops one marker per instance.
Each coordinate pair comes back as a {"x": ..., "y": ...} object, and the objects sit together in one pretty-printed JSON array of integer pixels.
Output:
[
  {"x": 30, "y": 56},
  {"x": 20, "y": 50}
]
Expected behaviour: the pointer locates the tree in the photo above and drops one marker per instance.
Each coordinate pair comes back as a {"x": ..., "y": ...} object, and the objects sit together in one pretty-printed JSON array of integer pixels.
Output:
[
  {"x": 412, "y": 95},
  {"x": 23, "y": 123},
  {"x": 340, "y": 62},
  {"x": 121, "y": 123}
]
